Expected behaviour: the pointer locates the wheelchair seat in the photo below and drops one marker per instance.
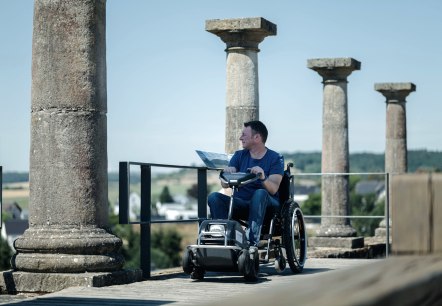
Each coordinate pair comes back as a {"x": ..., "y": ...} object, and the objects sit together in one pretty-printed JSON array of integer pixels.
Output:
[{"x": 283, "y": 228}]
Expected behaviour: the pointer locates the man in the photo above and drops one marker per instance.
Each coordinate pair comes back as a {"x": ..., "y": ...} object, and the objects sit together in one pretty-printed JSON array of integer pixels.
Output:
[{"x": 251, "y": 200}]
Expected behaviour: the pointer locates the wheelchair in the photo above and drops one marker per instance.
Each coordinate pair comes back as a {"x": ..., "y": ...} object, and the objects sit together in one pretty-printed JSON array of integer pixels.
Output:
[{"x": 222, "y": 245}]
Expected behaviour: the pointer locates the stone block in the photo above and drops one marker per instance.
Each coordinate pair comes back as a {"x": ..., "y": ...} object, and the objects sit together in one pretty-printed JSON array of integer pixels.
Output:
[
  {"x": 12, "y": 282},
  {"x": 416, "y": 202},
  {"x": 394, "y": 86},
  {"x": 336, "y": 242},
  {"x": 329, "y": 63},
  {"x": 437, "y": 213},
  {"x": 240, "y": 24}
]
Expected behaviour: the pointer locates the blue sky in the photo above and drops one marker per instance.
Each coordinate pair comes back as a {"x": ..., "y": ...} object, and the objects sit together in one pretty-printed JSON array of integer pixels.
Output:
[{"x": 166, "y": 74}]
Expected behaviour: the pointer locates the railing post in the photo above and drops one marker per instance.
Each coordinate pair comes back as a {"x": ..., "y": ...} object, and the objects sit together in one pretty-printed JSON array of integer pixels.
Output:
[
  {"x": 387, "y": 213},
  {"x": 1, "y": 196},
  {"x": 145, "y": 225},
  {"x": 202, "y": 194},
  {"x": 123, "y": 196}
]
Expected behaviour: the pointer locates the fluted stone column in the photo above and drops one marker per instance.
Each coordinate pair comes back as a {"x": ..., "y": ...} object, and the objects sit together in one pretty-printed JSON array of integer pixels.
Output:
[
  {"x": 335, "y": 149},
  {"x": 396, "y": 132},
  {"x": 242, "y": 37},
  {"x": 68, "y": 160}
]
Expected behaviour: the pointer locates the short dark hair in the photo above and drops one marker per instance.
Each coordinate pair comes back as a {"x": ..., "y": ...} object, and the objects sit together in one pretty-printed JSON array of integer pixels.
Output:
[{"x": 258, "y": 128}]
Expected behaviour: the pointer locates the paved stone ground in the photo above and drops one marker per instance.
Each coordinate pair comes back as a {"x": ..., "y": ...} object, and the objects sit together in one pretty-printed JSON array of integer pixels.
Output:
[{"x": 174, "y": 287}]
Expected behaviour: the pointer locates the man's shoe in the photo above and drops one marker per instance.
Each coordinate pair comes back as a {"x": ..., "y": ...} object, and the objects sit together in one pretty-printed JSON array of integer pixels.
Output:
[{"x": 253, "y": 249}]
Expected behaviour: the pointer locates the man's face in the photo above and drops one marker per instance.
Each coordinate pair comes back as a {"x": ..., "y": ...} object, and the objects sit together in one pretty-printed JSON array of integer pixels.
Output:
[{"x": 247, "y": 138}]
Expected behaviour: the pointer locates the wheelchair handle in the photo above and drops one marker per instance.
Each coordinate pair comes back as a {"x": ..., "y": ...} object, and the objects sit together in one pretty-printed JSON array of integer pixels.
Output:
[{"x": 236, "y": 179}]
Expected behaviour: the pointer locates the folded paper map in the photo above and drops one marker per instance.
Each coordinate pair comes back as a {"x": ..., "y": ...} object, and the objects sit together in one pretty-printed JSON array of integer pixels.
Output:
[{"x": 214, "y": 160}]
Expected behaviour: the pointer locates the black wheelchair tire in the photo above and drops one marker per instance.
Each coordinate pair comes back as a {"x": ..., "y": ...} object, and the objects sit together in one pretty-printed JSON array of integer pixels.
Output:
[
  {"x": 247, "y": 266},
  {"x": 294, "y": 236},
  {"x": 280, "y": 264},
  {"x": 187, "y": 262},
  {"x": 242, "y": 260}
]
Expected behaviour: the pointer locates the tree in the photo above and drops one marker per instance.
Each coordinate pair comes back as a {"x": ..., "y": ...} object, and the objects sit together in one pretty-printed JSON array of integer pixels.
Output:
[
  {"x": 312, "y": 206},
  {"x": 193, "y": 191},
  {"x": 165, "y": 246},
  {"x": 169, "y": 242},
  {"x": 365, "y": 205},
  {"x": 5, "y": 255},
  {"x": 165, "y": 196}
]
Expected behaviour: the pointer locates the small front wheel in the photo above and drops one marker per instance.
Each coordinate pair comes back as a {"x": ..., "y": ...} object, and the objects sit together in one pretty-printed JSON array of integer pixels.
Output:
[
  {"x": 187, "y": 262},
  {"x": 280, "y": 264},
  {"x": 248, "y": 264},
  {"x": 197, "y": 273}
]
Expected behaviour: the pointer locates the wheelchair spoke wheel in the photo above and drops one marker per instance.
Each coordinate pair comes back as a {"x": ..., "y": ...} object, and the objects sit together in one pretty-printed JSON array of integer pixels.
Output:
[
  {"x": 187, "y": 262},
  {"x": 294, "y": 236},
  {"x": 248, "y": 265}
]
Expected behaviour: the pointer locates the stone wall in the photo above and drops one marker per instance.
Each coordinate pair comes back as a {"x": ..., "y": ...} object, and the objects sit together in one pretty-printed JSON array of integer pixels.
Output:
[{"x": 416, "y": 203}]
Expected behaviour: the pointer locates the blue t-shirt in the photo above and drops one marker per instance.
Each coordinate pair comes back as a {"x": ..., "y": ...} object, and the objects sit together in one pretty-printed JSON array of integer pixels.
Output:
[{"x": 272, "y": 163}]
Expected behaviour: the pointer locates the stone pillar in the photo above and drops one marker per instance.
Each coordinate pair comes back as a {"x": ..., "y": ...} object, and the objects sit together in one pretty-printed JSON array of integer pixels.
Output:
[
  {"x": 396, "y": 133},
  {"x": 242, "y": 37},
  {"x": 335, "y": 151},
  {"x": 68, "y": 208}
]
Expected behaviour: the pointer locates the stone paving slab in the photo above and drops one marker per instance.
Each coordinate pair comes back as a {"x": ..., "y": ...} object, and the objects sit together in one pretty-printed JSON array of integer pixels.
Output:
[
  {"x": 174, "y": 287},
  {"x": 397, "y": 280}
]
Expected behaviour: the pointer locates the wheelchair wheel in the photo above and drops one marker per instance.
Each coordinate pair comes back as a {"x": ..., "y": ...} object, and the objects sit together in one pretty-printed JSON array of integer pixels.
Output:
[
  {"x": 294, "y": 236},
  {"x": 280, "y": 264},
  {"x": 248, "y": 266},
  {"x": 197, "y": 273},
  {"x": 187, "y": 262}
]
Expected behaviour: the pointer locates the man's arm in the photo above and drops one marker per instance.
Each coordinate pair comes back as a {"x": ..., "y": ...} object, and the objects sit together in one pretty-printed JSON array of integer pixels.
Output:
[{"x": 272, "y": 182}]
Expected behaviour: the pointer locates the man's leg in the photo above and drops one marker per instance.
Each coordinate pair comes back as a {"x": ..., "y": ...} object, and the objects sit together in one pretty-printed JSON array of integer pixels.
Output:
[
  {"x": 258, "y": 206},
  {"x": 219, "y": 205}
]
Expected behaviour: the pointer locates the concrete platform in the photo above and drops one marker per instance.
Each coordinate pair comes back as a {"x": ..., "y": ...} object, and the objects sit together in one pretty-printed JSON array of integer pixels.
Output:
[
  {"x": 13, "y": 282},
  {"x": 337, "y": 242},
  {"x": 413, "y": 280}
]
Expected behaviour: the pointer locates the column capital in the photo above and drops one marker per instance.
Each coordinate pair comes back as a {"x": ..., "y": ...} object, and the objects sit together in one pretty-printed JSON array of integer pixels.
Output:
[
  {"x": 243, "y": 33},
  {"x": 334, "y": 69},
  {"x": 395, "y": 92}
]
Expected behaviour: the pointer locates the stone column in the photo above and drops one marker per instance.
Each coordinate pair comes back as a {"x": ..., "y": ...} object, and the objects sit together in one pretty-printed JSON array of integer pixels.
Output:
[
  {"x": 335, "y": 151},
  {"x": 396, "y": 132},
  {"x": 68, "y": 208},
  {"x": 242, "y": 37}
]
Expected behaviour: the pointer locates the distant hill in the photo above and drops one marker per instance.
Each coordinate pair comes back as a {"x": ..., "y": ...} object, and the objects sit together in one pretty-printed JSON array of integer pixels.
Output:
[
  {"x": 418, "y": 160},
  {"x": 15, "y": 177}
]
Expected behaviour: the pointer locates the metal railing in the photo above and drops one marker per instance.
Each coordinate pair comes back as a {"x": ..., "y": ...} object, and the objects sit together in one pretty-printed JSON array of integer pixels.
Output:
[
  {"x": 1, "y": 196},
  {"x": 146, "y": 221},
  {"x": 386, "y": 215}
]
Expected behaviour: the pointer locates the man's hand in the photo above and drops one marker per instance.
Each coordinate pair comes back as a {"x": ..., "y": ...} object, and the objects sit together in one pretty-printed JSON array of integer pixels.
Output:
[
  {"x": 258, "y": 171},
  {"x": 229, "y": 169}
]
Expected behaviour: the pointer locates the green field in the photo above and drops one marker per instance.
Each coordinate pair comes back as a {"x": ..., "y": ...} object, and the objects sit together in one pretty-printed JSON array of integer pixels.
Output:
[{"x": 177, "y": 185}]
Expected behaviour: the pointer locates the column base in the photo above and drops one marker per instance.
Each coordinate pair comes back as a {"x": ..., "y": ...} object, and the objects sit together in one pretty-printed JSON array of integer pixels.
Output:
[
  {"x": 67, "y": 250},
  {"x": 336, "y": 231},
  {"x": 381, "y": 231},
  {"x": 336, "y": 242},
  {"x": 13, "y": 282}
]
